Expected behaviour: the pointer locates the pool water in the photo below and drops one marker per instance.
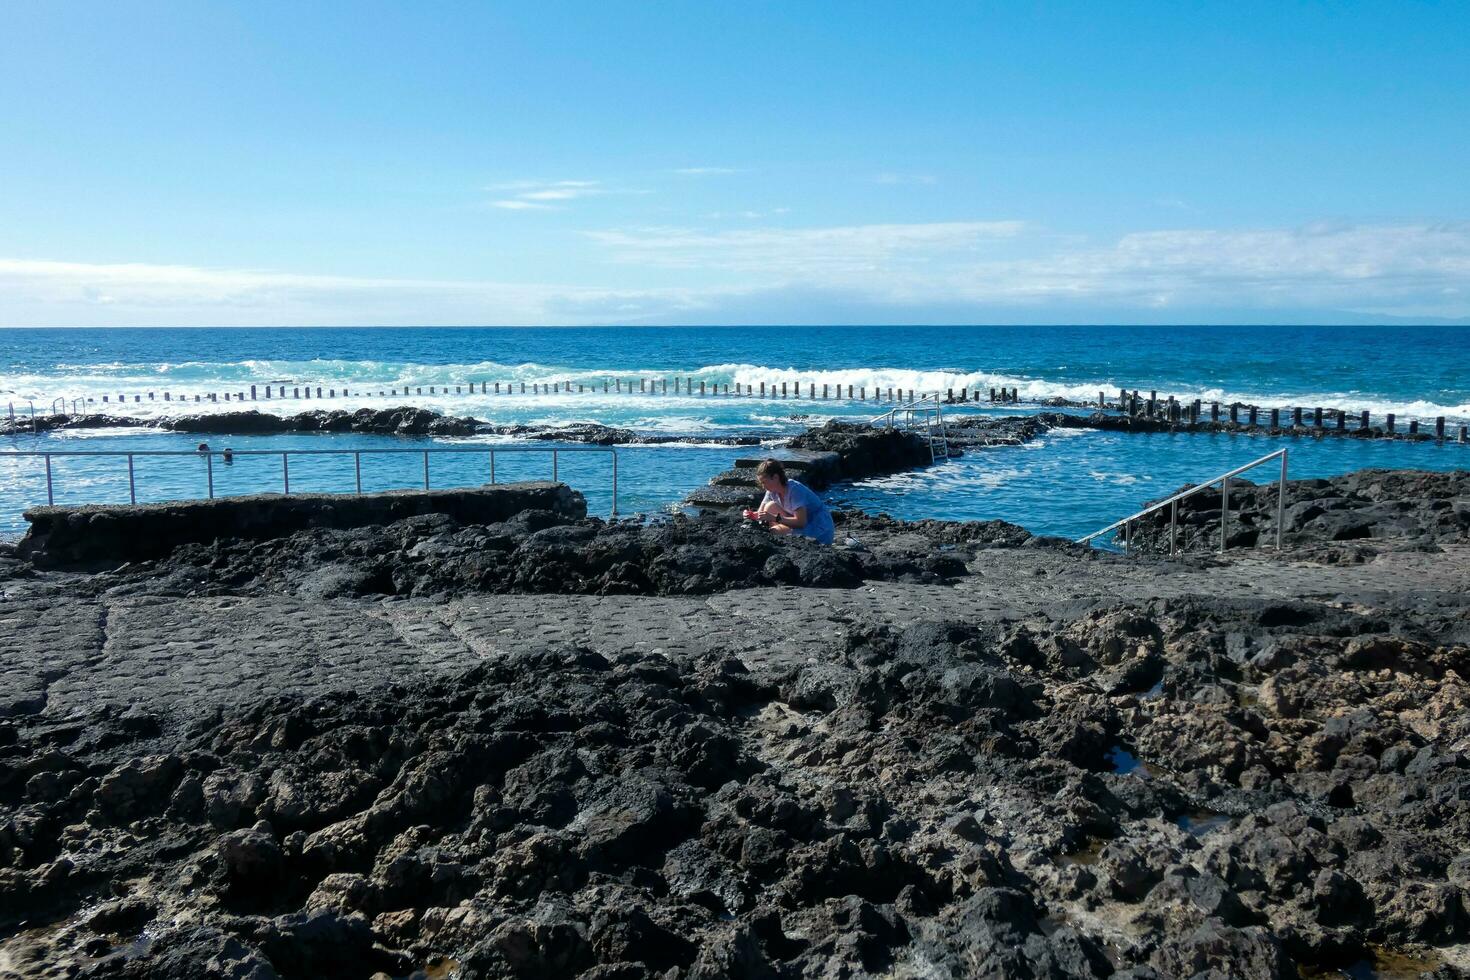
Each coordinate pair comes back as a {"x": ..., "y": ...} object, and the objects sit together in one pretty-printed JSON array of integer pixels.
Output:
[{"x": 1069, "y": 482}]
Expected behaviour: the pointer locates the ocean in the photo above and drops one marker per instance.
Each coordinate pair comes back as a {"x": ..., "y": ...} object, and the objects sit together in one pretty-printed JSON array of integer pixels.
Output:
[{"x": 1066, "y": 483}]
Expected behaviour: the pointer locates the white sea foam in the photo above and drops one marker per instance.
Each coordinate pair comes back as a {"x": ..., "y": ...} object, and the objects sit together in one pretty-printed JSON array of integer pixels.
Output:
[{"x": 190, "y": 378}]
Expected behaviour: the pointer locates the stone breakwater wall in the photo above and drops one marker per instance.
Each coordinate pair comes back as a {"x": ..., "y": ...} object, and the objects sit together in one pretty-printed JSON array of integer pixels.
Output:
[{"x": 115, "y": 533}]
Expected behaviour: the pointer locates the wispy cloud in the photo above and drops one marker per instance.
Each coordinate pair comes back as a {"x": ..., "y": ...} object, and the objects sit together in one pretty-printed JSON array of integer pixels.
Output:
[
  {"x": 532, "y": 195},
  {"x": 517, "y": 204},
  {"x": 708, "y": 171},
  {"x": 815, "y": 252},
  {"x": 974, "y": 271},
  {"x": 893, "y": 178},
  {"x": 34, "y": 292}
]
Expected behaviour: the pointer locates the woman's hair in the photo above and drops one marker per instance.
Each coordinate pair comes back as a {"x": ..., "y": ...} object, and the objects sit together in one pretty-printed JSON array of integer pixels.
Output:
[{"x": 772, "y": 467}]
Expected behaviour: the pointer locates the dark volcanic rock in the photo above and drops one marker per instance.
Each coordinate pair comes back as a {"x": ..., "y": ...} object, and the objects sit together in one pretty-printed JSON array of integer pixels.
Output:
[
  {"x": 1426, "y": 508},
  {"x": 405, "y": 421},
  {"x": 865, "y": 450},
  {"x": 541, "y": 551},
  {"x": 915, "y": 800},
  {"x": 116, "y": 533}
]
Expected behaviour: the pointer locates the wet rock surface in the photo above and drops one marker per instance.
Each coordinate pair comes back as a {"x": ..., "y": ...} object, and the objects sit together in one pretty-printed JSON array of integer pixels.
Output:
[
  {"x": 1348, "y": 514},
  {"x": 402, "y": 421},
  {"x": 1160, "y": 788}
]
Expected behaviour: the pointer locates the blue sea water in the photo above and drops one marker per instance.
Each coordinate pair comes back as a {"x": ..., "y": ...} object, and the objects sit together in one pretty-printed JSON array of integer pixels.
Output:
[{"x": 1069, "y": 483}]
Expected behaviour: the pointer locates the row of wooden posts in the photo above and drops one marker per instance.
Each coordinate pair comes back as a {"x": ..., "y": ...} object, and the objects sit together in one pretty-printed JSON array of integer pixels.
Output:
[
  {"x": 1176, "y": 411},
  {"x": 1131, "y": 403},
  {"x": 686, "y": 386}
]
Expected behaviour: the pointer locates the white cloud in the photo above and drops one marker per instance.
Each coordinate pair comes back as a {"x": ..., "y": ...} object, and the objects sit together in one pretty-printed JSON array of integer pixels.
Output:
[
  {"x": 818, "y": 253},
  {"x": 532, "y": 194},
  {"x": 978, "y": 271},
  {"x": 892, "y": 178},
  {"x": 45, "y": 293},
  {"x": 1350, "y": 267},
  {"x": 516, "y": 204}
]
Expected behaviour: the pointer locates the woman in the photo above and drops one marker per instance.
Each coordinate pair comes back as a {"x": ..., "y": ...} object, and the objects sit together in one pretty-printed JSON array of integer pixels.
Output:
[{"x": 790, "y": 507}]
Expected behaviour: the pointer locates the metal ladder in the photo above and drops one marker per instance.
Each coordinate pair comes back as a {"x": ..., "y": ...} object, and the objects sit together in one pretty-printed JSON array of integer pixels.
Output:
[{"x": 923, "y": 417}]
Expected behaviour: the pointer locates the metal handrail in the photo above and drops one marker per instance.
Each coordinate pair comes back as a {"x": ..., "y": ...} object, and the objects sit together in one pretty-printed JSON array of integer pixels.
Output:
[
  {"x": 918, "y": 406},
  {"x": 1173, "y": 504},
  {"x": 357, "y": 454},
  {"x": 910, "y": 407}
]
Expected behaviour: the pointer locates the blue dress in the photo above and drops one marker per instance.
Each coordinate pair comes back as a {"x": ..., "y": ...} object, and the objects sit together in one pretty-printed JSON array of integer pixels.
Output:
[{"x": 818, "y": 517}]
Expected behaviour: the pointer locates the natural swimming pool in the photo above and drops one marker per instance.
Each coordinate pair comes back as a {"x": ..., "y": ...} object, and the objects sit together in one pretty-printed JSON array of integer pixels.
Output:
[{"x": 1067, "y": 482}]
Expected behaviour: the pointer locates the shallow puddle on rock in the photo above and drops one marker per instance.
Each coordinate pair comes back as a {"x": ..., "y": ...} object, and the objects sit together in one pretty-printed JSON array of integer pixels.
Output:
[
  {"x": 1382, "y": 964},
  {"x": 1086, "y": 857},
  {"x": 1202, "y": 822},
  {"x": 1125, "y": 763},
  {"x": 436, "y": 968}
]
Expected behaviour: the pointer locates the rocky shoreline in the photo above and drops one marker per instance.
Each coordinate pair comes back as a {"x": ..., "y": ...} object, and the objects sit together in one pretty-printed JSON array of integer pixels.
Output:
[
  {"x": 404, "y": 421},
  {"x": 548, "y": 745}
]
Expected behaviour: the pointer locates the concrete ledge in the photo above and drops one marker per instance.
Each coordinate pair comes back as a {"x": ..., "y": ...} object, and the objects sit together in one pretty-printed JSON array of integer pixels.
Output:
[{"x": 115, "y": 533}]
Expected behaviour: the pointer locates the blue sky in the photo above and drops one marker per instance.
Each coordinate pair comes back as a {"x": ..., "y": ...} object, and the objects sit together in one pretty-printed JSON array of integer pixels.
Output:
[{"x": 365, "y": 163}]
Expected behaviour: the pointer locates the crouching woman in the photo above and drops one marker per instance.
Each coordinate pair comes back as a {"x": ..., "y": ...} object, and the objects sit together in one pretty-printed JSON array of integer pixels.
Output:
[{"x": 790, "y": 507}]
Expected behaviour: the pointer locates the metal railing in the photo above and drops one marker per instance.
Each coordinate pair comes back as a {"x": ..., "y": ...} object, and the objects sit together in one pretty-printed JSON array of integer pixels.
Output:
[
  {"x": 1173, "y": 504},
  {"x": 285, "y": 454},
  {"x": 928, "y": 407}
]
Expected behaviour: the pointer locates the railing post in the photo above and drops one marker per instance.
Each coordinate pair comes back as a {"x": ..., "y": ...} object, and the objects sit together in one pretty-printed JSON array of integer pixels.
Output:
[
  {"x": 615, "y": 483},
  {"x": 357, "y": 467},
  {"x": 285, "y": 475},
  {"x": 1281, "y": 500},
  {"x": 1173, "y": 526},
  {"x": 1224, "y": 511},
  {"x": 50, "y": 496},
  {"x": 1126, "y": 541},
  {"x": 554, "y": 477},
  {"x": 132, "y": 485},
  {"x": 426, "y": 469},
  {"x": 492, "y": 467},
  {"x": 209, "y": 471}
]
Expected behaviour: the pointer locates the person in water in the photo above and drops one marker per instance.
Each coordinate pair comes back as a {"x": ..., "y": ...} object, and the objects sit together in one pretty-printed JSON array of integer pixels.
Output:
[{"x": 790, "y": 507}]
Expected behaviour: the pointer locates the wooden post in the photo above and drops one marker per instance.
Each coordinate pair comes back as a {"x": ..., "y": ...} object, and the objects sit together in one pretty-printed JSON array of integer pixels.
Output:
[
  {"x": 1363, "y": 422},
  {"x": 992, "y": 394},
  {"x": 1317, "y": 417},
  {"x": 701, "y": 388},
  {"x": 763, "y": 389},
  {"x": 1341, "y": 420},
  {"x": 1296, "y": 417},
  {"x": 1463, "y": 432},
  {"x": 1413, "y": 427},
  {"x": 950, "y": 395},
  {"x": 849, "y": 392},
  {"x": 1439, "y": 427},
  {"x": 1253, "y": 416},
  {"x": 783, "y": 389},
  {"x": 863, "y": 393},
  {"x": 1388, "y": 422},
  {"x": 1102, "y": 401},
  {"x": 1275, "y": 418}
]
